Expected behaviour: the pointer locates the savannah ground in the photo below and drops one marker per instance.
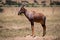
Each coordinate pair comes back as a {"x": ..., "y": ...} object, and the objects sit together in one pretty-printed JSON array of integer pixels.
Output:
[{"x": 14, "y": 27}]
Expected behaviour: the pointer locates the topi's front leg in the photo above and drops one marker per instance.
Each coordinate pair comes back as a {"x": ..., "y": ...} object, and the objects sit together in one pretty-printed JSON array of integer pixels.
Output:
[{"x": 32, "y": 27}]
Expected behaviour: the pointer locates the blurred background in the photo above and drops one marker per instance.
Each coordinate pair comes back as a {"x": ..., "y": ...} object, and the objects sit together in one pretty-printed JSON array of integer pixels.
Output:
[{"x": 29, "y": 2}]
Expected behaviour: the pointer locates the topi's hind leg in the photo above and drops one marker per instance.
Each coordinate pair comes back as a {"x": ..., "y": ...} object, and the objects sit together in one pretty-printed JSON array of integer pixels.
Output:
[
  {"x": 44, "y": 29},
  {"x": 44, "y": 26}
]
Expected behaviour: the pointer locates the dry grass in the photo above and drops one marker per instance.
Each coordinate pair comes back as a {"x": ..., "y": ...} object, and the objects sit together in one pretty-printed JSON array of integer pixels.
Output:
[{"x": 12, "y": 25}]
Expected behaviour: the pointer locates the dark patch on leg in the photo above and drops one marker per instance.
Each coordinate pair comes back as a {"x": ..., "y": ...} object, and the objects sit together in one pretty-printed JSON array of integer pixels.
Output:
[{"x": 44, "y": 20}]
